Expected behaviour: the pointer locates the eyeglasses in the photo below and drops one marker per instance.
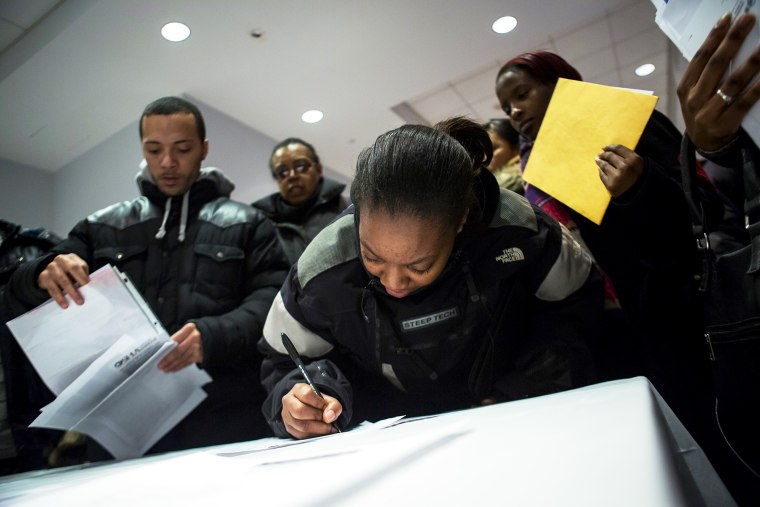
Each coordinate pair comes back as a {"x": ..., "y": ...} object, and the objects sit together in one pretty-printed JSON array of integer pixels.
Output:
[{"x": 299, "y": 167}]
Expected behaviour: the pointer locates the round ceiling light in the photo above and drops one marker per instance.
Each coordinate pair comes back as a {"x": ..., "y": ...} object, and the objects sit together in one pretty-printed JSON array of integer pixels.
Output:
[
  {"x": 644, "y": 70},
  {"x": 504, "y": 25},
  {"x": 312, "y": 116},
  {"x": 175, "y": 32}
]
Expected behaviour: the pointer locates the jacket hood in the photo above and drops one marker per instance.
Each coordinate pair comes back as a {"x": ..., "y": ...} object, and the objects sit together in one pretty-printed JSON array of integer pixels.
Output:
[
  {"x": 211, "y": 175},
  {"x": 211, "y": 183}
]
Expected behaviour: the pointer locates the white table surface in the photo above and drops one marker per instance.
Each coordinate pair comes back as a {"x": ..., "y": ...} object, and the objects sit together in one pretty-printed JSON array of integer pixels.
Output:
[{"x": 611, "y": 444}]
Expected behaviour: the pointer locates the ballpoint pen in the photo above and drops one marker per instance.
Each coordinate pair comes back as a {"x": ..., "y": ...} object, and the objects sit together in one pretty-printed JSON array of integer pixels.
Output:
[{"x": 293, "y": 353}]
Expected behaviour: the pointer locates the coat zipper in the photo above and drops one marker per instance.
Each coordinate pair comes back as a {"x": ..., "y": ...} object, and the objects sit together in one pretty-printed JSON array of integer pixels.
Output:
[{"x": 748, "y": 330}]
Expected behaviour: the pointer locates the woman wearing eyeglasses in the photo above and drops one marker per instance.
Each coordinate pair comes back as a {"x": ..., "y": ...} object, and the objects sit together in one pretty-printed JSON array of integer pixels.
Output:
[
  {"x": 306, "y": 202},
  {"x": 434, "y": 292}
]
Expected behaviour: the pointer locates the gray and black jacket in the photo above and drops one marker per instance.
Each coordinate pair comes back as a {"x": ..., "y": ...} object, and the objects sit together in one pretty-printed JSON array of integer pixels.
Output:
[{"x": 511, "y": 316}]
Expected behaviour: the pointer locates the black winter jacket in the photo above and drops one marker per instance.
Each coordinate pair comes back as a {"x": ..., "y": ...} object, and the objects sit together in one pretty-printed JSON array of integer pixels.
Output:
[
  {"x": 645, "y": 244},
  {"x": 222, "y": 277},
  {"x": 19, "y": 245},
  {"x": 20, "y": 385},
  {"x": 511, "y": 316},
  {"x": 297, "y": 226}
]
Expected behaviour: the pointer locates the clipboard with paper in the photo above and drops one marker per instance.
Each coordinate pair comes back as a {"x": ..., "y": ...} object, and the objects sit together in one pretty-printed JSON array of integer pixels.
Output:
[
  {"x": 581, "y": 119},
  {"x": 100, "y": 360}
]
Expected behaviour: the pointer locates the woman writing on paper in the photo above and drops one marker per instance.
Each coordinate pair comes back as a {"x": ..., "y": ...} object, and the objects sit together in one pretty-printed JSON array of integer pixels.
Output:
[
  {"x": 643, "y": 245},
  {"x": 434, "y": 292}
]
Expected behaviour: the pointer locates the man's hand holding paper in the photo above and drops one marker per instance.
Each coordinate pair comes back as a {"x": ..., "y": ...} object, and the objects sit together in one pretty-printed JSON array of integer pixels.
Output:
[
  {"x": 63, "y": 276},
  {"x": 189, "y": 349}
]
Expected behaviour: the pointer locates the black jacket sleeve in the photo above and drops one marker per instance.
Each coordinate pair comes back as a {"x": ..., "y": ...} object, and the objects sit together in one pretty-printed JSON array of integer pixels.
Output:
[
  {"x": 560, "y": 327},
  {"x": 279, "y": 375},
  {"x": 559, "y": 354},
  {"x": 23, "y": 293}
]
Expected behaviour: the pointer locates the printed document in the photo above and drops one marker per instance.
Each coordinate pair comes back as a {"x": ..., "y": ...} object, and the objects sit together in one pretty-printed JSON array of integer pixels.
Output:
[{"x": 100, "y": 360}]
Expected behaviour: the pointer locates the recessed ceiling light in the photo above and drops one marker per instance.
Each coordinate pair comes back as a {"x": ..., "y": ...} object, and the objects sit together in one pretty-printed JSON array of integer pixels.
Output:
[
  {"x": 644, "y": 70},
  {"x": 175, "y": 32},
  {"x": 504, "y": 25},
  {"x": 312, "y": 116}
]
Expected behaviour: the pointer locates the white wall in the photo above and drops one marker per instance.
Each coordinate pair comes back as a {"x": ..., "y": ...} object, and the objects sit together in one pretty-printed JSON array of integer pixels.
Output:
[
  {"x": 26, "y": 195},
  {"x": 106, "y": 174},
  {"x": 100, "y": 177},
  {"x": 242, "y": 153}
]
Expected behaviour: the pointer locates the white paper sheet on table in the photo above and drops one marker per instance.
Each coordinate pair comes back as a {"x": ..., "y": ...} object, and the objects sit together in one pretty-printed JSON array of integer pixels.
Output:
[
  {"x": 100, "y": 359},
  {"x": 688, "y": 22}
]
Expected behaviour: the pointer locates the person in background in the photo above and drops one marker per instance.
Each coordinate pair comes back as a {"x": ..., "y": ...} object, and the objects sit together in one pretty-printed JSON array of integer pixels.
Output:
[
  {"x": 307, "y": 201},
  {"x": 209, "y": 268},
  {"x": 505, "y": 164},
  {"x": 644, "y": 244},
  {"x": 715, "y": 96},
  {"x": 435, "y": 291},
  {"x": 22, "y": 392}
]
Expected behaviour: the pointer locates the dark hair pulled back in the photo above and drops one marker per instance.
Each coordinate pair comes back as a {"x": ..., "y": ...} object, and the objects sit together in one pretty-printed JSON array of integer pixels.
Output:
[{"x": 425, "y": 172}]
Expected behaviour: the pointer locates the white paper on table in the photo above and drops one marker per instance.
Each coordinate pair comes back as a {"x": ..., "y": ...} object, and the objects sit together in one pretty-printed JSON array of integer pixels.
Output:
[
  {"x": 61, "y": 343},
  {"x": 378, "y": 425},
  {"x": 688, "y": 22},
  {"x": 267, "y": 444}
]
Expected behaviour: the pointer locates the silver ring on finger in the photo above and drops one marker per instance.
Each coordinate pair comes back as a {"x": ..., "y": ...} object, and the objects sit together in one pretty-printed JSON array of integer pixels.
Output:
[{"x": 728, "y": 99}]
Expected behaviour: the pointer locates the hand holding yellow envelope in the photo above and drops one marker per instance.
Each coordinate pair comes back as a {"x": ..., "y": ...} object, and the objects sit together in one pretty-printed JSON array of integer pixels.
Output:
[{"x": 582, "y": 118}]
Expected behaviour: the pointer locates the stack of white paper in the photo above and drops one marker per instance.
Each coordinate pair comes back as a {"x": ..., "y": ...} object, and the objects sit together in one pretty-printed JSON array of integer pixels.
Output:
[{"x": 100, "y": 360}]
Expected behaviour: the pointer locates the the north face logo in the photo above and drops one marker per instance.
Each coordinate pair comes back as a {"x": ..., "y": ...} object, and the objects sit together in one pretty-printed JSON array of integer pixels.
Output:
[{"x": 511, "y": 255}]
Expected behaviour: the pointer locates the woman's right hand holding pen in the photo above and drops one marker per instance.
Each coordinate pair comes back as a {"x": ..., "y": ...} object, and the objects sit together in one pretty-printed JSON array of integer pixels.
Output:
[{"x": 307, "y": 415}]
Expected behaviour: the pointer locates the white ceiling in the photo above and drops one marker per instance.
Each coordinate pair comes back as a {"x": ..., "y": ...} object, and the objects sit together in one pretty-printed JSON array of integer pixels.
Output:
[{"x": 74, "y": 72}]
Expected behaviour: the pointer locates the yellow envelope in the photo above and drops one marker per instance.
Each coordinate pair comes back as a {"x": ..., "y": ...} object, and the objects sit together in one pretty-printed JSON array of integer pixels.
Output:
[{"x": 582, "y": 118}]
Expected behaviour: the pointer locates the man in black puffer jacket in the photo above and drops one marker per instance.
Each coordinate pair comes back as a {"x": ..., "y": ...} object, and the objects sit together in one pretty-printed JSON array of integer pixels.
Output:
[{"x": 209, "y": 267}]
